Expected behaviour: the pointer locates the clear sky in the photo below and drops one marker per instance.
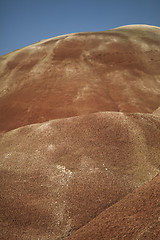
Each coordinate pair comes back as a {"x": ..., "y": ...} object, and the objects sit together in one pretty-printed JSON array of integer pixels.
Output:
[{"x": 23, "y": 22}]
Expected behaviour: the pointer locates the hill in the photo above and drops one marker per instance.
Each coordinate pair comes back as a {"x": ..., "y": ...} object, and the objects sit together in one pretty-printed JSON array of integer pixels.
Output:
[{"x": 80, "y": 137}]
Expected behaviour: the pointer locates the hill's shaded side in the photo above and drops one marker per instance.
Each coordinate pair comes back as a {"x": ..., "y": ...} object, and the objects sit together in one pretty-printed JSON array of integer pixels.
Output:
[
  {"x": 137, "y": 216},
  {"x": 76, "y": 74},
  {"x": 80, "y": 137}
]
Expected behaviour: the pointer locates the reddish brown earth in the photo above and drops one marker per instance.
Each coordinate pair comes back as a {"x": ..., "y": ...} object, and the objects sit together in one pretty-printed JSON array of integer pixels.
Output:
[
  {"x": 80, "y": 137},
  {"x": 136, "y": 216}
]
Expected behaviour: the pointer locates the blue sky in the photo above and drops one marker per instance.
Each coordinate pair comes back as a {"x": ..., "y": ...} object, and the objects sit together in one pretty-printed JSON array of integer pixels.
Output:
[{"x": 23, "y": 22}]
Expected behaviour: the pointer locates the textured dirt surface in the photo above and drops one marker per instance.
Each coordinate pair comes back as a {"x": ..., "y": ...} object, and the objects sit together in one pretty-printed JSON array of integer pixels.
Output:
[
  {"x": 138, "y": 212},
  {"x": 80, "y": 137},
  {"x": 76, "y": 74}
]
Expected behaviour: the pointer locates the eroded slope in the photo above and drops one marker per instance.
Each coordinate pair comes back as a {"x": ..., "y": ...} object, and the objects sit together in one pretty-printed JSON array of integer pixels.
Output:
[
  {"x": 134, "y": 217},
  {"x": 94, "y": 141},
  {"x": 76, "y": 74},
  {"x": 57, "y": 176}
]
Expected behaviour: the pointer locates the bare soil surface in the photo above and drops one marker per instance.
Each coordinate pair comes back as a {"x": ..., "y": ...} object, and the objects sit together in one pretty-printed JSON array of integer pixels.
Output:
[{"x": 80, "y": 137}]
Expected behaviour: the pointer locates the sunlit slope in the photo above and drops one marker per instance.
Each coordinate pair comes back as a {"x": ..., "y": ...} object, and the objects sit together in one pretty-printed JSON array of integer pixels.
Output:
[{"x": 76, "y": 74}]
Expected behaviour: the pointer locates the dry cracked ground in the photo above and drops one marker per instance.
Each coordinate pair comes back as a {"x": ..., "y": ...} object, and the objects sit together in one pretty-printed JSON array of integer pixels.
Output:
[{"x": 80, "y": 137}]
